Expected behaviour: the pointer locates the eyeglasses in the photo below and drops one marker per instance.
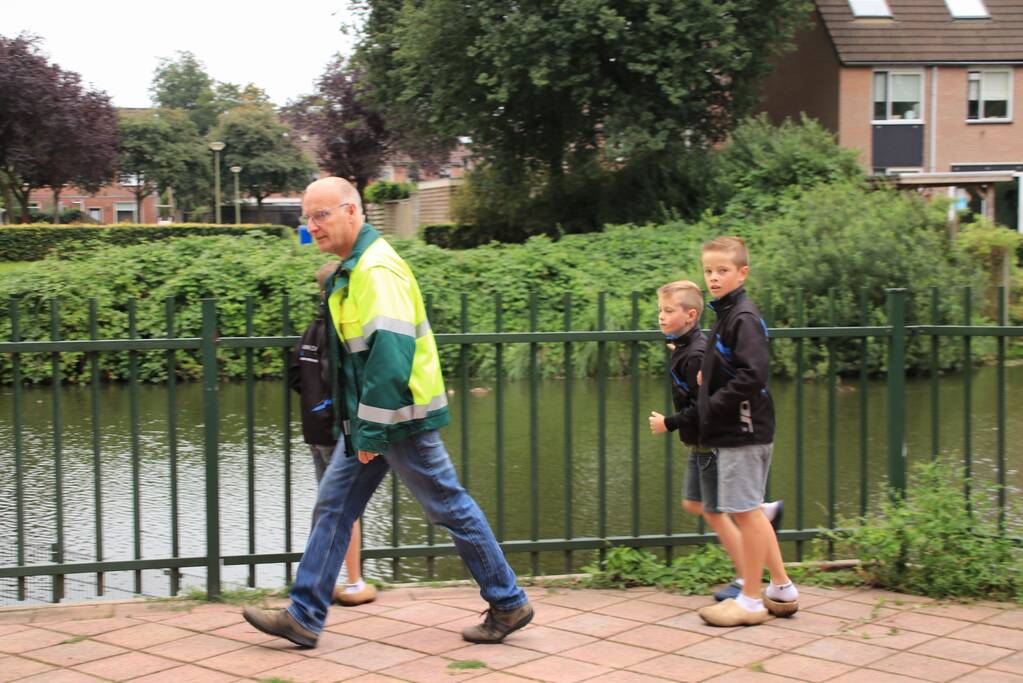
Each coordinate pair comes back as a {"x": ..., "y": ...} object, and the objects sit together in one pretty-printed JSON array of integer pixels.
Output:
[{"x": 321, "y": 215}]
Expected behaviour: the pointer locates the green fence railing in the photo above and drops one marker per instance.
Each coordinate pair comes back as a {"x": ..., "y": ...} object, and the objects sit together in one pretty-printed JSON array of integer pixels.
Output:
[{"x": 895, "y": 335}]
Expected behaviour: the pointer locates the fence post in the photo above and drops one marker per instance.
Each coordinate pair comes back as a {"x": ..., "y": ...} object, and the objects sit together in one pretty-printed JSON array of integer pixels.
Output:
[
  {"x": 897, "y": 391},
  {"x": 210, "y": 371}
]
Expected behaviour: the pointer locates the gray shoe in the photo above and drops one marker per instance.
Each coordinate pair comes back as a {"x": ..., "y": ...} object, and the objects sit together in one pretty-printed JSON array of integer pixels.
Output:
[
  {"x": 498, "y": 624},
  {"x": 278, "y": 622}
]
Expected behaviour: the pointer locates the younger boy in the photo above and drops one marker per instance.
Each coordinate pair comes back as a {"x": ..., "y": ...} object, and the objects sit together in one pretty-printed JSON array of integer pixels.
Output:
[
  {"x": 309, "y": 375},
  {"x": 734, "y": 415},
  {"x": 680, "y": 305}
]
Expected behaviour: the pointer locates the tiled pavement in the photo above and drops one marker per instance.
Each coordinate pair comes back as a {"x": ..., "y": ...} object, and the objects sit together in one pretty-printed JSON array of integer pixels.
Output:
[{"x": 412, "y": 634}]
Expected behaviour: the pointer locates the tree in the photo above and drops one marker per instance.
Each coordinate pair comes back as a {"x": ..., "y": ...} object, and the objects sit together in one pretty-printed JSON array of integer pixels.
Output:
[
  {"x": 352, "y": 140},
  {"x": 182, "y": 83},
  {"x": 271, "y": 161},
  {"x": 162, "y": 149},
  {"x": 550, "y": 86},
  {"x": 227, "y": 96},
  {"x": 52, "y": 130}
]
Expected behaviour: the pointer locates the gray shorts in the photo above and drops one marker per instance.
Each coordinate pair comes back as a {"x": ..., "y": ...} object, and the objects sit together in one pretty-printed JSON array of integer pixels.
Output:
[
  {"x": 702, "y": 480},
  {"x": 742, "y": 476},
  {"x": 321, "y": 458}
]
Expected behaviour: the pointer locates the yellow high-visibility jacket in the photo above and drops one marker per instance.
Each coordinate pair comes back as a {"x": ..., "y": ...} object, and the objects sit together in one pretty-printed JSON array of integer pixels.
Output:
[{"x": 389, "y": 381}]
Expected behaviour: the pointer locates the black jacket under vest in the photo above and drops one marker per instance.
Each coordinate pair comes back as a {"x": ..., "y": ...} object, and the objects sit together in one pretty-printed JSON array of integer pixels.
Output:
[
  {"x": 682, "y": 368},
  {"x": 734, "y": 407},
  {"x": 309, "y": 375}
]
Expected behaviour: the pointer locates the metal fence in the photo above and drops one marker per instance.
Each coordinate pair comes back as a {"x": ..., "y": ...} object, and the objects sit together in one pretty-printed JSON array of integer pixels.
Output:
[{"x": 894, "y": 335}]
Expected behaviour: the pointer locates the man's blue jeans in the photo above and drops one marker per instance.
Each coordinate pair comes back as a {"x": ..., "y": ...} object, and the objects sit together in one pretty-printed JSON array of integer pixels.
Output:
[{"x": 423, "y": 464}]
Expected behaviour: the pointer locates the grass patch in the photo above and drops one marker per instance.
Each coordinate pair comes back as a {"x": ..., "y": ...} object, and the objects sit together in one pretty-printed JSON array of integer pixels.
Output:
[
  {"x": 76, "y": 639},
  {"x": 467, "y": 664},
  {"x": 235, "y": 596}
]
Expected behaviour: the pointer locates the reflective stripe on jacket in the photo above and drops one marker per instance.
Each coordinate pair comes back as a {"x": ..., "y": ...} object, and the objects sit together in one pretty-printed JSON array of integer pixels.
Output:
[{"x": 390, "y": 380}]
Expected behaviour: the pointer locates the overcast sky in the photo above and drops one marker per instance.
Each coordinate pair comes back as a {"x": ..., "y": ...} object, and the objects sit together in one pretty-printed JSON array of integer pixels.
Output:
[{"x": 115, "y": 45}]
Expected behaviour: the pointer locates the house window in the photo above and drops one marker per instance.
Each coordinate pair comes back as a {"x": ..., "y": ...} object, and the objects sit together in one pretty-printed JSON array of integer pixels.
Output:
[
  {"x": 96, "y": 214},
  {"x": 897, "y": 96},
  {"x": 988, "y": 95},
  {"x": 125, "y": 212},
  {"x": 967, "y": 9},
  {"x": 862, "y": 9}
]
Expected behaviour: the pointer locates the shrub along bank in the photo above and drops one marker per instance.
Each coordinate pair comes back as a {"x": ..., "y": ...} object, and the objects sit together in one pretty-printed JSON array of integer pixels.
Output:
[
  {"x": 33, "y": 242},
  {"x": 828, "y": 242}
]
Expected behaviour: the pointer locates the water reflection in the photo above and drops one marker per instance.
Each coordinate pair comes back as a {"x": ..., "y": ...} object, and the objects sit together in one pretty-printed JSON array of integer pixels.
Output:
[{"x": 658, "y": 461}]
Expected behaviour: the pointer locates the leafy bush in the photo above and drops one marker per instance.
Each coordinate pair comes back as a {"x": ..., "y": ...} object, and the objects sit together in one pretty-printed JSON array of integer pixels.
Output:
[
  {"x": 933, "y": 542},
  {"x": 838, "y": 237},
  {"x": 384, "y": 191},
  {"x": 66, "y": 216},
  {"x": 762, "y": 161},
  {"x": 512, "y": 205},
  {"x": 833, "y": 240},
  {"x": 453, "y": 235},
  {"x": 693, "y": 573},
  {"x": 32, "y": 242},
  {"x": 183, "y": 270}
]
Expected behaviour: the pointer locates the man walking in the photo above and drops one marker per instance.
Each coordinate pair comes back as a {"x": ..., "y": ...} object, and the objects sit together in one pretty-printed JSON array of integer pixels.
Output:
[{"x": 391, "y": 401}]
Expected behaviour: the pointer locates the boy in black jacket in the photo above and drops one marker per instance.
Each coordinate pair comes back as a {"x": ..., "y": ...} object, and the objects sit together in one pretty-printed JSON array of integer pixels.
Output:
[
  {"x": 680, "y": 305},
  {"x": 309, "y": 374},
  {"x": 734, "y": 416}
]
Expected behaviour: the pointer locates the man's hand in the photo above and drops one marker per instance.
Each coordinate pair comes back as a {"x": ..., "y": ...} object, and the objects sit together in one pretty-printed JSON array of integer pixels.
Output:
[
  {"x": 699, "y": 378},
  {"x": 366, "y": 456},
  {"x": 657, "y": 423}
]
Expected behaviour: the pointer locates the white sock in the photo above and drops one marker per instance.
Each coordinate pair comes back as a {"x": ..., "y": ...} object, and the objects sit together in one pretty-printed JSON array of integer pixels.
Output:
[
  {"x": 784, "y": 593},
  {"x": 739, "y": 581},
  {"x": 749, "y": 604},
  {"x": 770, "y": 510},
  {"x": 355, "y": 587}
]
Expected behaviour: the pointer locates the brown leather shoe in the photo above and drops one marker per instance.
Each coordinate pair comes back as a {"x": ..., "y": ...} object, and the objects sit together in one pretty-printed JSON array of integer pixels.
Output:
[
  {"x": 730, "y": 613},
  {"x": 367, "y": 594},
  {"x": 498, "y": 624},
  {"x": 278, "y": 622}
]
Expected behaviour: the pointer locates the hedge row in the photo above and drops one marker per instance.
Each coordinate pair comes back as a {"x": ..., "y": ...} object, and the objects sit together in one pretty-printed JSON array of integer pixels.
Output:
[
  {"x": 828, "y": 243},
  {"x": 36, "y": 241}
]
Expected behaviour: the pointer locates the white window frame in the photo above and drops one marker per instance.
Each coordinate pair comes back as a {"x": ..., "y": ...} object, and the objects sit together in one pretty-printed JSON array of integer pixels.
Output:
[
  {"x": 89, "y": 211},
  {"x": 1008, "y": 111},
  {"x": 951, "y": 10},
  {"x": 886, "y": 15},
  {"x": 896, "y": 72}
]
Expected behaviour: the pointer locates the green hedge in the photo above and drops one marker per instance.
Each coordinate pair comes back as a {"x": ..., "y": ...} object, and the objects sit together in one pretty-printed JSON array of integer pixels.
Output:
[
  {"x": 36, "y": 241},
  {"x": 384, "y": 191},
  {"x": 454, "y": 235},
  {"x": 830, "y": 241}
]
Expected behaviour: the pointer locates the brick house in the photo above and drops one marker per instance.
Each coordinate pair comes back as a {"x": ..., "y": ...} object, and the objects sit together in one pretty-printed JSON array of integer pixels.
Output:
[
  {"x": 114, "y": 203},
  {"x": 923, "y": 89}
]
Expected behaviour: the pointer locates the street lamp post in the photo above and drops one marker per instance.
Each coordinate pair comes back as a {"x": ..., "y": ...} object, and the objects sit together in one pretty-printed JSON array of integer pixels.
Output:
[
  {"x": 237, "y": 196},
  {"x": 216, "y": 146}
]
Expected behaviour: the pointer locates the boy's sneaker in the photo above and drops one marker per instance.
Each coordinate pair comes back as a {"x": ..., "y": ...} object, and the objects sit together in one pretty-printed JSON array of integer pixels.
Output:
[
  {"x": 731, "y": 613},
  {"x": 279, "y": 622},
  {"x": 498, "y": 624},
  {"x": 731, "y": 591}
]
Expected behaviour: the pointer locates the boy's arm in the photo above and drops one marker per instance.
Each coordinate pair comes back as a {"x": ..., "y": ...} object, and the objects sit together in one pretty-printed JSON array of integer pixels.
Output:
[
  {"x": 750, "y": 361},
  {"x": 688, "y": 419},
  {"x": 689, "y": 372}
]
